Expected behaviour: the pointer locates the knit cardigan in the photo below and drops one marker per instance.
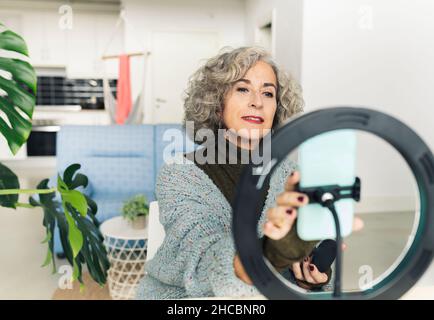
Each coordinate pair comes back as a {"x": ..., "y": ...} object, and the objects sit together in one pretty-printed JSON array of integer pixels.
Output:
[{"x": 196, "y": 256}]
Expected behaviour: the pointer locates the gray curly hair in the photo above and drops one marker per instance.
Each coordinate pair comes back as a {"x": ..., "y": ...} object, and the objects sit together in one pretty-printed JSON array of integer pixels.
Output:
[{"x": 208, "y": 86}]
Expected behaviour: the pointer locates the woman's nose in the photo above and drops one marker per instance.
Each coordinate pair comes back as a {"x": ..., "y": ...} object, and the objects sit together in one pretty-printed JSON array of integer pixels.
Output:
[{"x": 256, "y": 100}]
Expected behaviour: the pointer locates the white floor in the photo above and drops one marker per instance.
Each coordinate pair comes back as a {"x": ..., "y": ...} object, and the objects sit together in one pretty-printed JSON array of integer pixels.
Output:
[{"x": 21, "y": 251}]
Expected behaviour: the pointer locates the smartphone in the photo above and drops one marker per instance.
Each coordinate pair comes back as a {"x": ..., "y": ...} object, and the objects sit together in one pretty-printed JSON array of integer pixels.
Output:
[{"x": 327, "y": 159}]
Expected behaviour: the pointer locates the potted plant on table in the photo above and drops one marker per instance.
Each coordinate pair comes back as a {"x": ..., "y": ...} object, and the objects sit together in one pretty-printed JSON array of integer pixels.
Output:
[{"x": 135, "y": 211}]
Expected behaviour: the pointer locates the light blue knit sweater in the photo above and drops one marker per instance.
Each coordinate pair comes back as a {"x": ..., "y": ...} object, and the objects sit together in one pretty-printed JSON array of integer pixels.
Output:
[{"x": 196, "y": 256}]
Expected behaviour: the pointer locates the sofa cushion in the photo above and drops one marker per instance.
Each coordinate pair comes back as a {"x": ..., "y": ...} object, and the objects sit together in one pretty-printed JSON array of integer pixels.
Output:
[
  {"x": 75, "y": 142},
  {"x": 172, "y": 137},
  {"x": 119, "y": 175}
]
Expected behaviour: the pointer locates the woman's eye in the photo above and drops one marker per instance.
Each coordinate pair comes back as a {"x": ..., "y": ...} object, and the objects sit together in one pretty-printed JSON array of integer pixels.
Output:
[
  {"x": 269, "y": 94},
  {"x": 242, "y": 90}
]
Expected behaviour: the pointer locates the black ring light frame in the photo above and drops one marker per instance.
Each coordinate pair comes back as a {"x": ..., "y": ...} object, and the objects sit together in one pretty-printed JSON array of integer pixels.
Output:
[{"x": 412, "y": 148}]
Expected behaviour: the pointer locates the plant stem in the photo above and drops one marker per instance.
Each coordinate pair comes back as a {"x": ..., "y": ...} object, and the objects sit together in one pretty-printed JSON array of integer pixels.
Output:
[
  {"x": 24, "y": 205},
  {"x": 31, "y": 191}
]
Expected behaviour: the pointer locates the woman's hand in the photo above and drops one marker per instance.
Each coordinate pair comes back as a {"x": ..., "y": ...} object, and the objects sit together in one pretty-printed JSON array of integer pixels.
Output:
[
  {"x": 281, "y": 218},
  {"x": 308, "y": 272},
  {"x": 303, "y": 271}
]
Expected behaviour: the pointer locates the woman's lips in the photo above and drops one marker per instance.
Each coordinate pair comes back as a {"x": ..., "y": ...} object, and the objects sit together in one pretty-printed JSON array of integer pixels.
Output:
[{"x": 253, "y": 119}]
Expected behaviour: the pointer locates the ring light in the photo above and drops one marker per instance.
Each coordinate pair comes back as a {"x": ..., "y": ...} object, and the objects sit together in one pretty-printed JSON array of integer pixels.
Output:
[{"x": 252, "y": 187}]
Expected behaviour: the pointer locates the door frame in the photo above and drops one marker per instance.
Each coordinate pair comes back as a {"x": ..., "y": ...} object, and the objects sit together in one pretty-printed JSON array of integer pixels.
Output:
[{"x": 150, "y": 114}]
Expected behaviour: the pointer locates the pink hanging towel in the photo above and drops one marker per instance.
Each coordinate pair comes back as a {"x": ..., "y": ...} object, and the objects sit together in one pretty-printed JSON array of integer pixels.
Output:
[{"x": 124, "y": 101}]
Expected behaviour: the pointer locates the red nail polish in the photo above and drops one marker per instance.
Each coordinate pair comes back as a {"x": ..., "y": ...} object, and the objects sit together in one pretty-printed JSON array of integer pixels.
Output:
[
  {"x": 311, "y": 267},
  {"x": 289, "y": 211},
  {"x": 300, "y": 199}
]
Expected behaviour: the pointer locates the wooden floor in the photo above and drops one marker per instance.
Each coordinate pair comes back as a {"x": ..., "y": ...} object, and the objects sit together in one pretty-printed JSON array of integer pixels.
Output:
[{"x": 91, "y": 291}]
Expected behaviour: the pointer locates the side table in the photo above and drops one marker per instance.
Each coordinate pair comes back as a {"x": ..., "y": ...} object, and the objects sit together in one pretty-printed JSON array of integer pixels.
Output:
[{"x": 126, "y": 250}]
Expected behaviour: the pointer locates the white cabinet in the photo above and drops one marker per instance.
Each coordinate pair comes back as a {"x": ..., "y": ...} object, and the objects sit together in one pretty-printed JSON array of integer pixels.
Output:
[
  {"x": 78, "y": 49},
  {"x": 45, "y": 40},
  {"x": 86, "y": 43},
  {"x": 81, "y": 47},
  {"x": 12, "y": 20}
]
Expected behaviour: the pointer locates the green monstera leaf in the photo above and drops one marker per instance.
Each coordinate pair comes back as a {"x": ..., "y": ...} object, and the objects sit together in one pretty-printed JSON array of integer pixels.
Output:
[
  {"x": 17, "y": 90},
  {"x": 74, "y": 215},
  {"x": 8, "y": 180},
  {"x": 17, "y": 102}
]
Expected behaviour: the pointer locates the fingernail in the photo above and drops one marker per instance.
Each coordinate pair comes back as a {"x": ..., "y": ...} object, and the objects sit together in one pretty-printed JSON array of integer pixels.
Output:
[
  {"x": 289, "y": 211},
  {"x": 300, "y": 199},
  {"x": 311, "y": 267}
]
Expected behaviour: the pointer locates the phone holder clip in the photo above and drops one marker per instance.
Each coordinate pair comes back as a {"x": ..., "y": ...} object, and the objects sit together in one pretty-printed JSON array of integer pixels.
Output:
[
  {"x": 327, "y": 196},
  {"x": 324, "y": 194}
]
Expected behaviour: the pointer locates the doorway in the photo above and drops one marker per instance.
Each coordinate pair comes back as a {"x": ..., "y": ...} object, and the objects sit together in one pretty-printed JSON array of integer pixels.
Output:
[{"x": 175, "y": 57}]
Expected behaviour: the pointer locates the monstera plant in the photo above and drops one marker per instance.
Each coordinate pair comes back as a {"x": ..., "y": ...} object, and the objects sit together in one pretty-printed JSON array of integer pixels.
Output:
[{"x": 64, "y": 207}]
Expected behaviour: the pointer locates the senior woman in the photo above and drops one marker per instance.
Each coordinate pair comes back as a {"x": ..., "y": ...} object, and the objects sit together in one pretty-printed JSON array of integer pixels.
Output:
[{"x": 243, "y": 92}]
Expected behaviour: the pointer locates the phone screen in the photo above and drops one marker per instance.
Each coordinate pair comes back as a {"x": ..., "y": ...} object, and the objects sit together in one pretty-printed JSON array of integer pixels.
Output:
[{"x": 327, "y": 159}]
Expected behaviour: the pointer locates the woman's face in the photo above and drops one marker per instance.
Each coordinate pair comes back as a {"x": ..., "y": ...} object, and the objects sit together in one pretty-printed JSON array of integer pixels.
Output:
[{"x": 250, "y": 105}]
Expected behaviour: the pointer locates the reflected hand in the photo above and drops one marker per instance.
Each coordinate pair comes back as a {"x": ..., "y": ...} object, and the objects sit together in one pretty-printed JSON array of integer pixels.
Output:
[{"x": 308, "y": 272}]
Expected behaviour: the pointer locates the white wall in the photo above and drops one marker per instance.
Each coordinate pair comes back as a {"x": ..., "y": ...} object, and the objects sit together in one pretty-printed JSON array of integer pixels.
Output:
[
  {"x": 383, "y": 60},
  {"x": 287, "y": 28},
  {"x": 226, "y": 17},
  {"x": 375, "y": 53}
]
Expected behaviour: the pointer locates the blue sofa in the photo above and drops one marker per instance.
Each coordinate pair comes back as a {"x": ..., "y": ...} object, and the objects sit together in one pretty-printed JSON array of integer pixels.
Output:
[{"x": 120, "y": 161}]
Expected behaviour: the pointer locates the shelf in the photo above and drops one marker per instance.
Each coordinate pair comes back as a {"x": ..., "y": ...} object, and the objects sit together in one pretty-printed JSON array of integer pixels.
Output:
[
  {"x": 31, "y": 162},
  {"x": 62, "y": 108}
]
